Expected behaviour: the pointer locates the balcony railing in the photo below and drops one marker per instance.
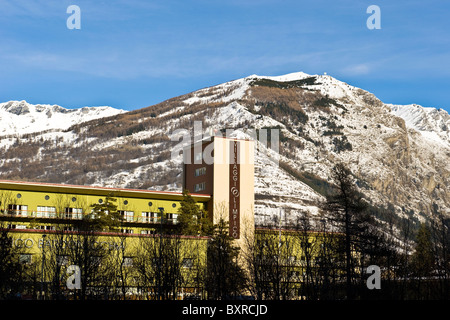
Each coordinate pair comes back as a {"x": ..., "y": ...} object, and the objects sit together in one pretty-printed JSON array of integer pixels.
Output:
[{"x": 78, "y": 216}]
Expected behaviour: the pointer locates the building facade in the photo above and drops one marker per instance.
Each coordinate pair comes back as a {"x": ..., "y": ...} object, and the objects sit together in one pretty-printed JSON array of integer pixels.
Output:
[
  {"x": 45, "y": 219},
  {"x": 223, "y": 169}
]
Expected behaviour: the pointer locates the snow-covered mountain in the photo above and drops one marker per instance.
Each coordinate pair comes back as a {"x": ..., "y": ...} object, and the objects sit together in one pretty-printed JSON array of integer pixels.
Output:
[
  {"x": 398, "y": 154},
  {"x": 20, "y": 117},
  {"x": 432, "y": 123}
]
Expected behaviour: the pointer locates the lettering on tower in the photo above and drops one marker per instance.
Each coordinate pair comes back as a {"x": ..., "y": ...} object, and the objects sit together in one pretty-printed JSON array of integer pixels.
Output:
[{"x": 234, "y": 190}]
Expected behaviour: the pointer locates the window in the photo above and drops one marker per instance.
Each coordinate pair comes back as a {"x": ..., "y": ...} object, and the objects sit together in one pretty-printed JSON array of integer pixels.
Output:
[
  {"x": 148, "y": 232},
  {"x": 127, "y": 231},
  {"x": 18, "y": 210},
  {"x": 198, "y": 157},
  {"x": 199, "y": 187},
  {"x": 187, "y": 263},
  {"x": 126, "y": 215},
  {"x": 25, "y": 258},
  {"x": 145, "y": 216},
  {"x": 16, "y": 226},
  {"x": 46, "y": 212},
  {"x": 127, "y": 261},
  {"x": 62, "y": 260},
  {"x": 294, "y": 275},
  {"x": 73, "y": 213},
  {"x": 291, "y": 259},
  {"x": 172, "y": 217},
  {"x": 151, "y": 217},
  {"x": 200, "y": 171},
  {"x": 96, "y": 260},
  {"x": 42, "y": 227}
]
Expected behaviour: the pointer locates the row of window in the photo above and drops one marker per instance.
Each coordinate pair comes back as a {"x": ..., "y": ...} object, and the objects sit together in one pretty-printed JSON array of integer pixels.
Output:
[
  {"x": 68, "y": 228},
  {"x": 77, "y": 213},
  {"x": 26, "y": 258},
  {"x": 202, "y": 185}
]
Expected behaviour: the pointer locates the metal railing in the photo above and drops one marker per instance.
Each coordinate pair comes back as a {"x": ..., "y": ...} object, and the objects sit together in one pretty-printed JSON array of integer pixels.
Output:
[{"x": 79, "y": 216}]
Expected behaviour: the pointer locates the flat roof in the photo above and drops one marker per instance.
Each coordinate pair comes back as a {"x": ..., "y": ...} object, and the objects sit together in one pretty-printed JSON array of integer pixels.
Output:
[{"x": 96, "y": 190}]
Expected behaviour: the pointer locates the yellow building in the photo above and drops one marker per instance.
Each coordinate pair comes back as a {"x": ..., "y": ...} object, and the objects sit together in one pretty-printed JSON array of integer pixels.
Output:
[
  {"x": 140, "y": 257},
  {"x": 42, "y": 206},
  {"x": 46, "y": 221}
]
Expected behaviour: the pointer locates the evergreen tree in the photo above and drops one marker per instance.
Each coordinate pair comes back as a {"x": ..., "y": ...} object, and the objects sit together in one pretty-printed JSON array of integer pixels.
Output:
[
  {"x": 192, "y": 220},
  {"x": 104, "y": 216},
  {"x": 423, "y": 257},
  {"x": 10, "y": 267},
  {"x": 225, "y": 277}
]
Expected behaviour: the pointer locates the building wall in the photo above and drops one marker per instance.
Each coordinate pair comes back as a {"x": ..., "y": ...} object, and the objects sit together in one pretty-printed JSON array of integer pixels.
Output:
[
  {"x": 35, "y": 243},
  {"x": 36, "y": 233},
  {"x": 39, "y": 206},
  {"x": 35, "y": 228},
  {"x": 190, "y": 180},
  {"x": 219, "y": 182}
]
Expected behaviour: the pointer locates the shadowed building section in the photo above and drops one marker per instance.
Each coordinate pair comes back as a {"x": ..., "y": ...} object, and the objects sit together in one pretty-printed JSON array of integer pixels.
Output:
[{"x": 223, "y": 168}]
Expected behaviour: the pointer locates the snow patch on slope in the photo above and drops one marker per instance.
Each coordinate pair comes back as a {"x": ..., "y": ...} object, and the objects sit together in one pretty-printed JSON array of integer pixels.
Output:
[{"x": 432, "y": 123}]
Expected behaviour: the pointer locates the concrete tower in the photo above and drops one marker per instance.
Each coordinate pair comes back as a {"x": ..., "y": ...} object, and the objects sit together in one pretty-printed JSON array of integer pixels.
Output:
[{"x": 224, "y": 169}]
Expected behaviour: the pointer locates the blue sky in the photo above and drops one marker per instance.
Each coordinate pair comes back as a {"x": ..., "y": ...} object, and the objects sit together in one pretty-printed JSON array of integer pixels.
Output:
[{"x": 130, "y": 54}]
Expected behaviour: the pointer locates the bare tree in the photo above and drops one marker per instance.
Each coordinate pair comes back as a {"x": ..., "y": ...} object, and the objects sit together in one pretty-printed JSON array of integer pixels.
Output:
[
  {"x": 309, "y": 245},
  {"x": 346, "y": 210},
  {"x": 272, "y": 261},
  {"x": 441, "y": 241},
  {"x": 328, "y": 261},
  {"x": 406, "y": 232},
  {"x": 159, "y": 266},
  {"x": 85, "y": 250},
  {"x": 12, "y": 270}
]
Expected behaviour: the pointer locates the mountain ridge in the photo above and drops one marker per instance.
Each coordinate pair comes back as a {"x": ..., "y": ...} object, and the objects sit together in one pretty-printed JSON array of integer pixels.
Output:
[
  {"x": 40, "y": 117},
  {"x": 321, "y": 121}
]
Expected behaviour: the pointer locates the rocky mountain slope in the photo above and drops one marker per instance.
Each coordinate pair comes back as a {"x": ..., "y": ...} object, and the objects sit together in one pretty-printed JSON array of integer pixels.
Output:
[{"x": 398, "y": 154}]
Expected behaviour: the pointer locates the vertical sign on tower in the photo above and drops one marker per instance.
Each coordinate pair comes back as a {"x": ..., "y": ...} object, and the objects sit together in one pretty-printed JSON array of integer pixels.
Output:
[{"x": 234, "y": 190}]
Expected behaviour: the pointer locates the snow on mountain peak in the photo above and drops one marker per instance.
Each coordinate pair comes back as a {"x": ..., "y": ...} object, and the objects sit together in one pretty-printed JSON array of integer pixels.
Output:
[
  {"x": 432, "y": 123},
  {"x": 21, "y": 117},
  {"x": 282, "y": 78}
]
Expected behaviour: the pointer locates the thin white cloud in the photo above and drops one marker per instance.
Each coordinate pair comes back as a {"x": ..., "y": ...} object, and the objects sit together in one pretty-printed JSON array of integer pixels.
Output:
[{"x": 357, "y": 70}]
